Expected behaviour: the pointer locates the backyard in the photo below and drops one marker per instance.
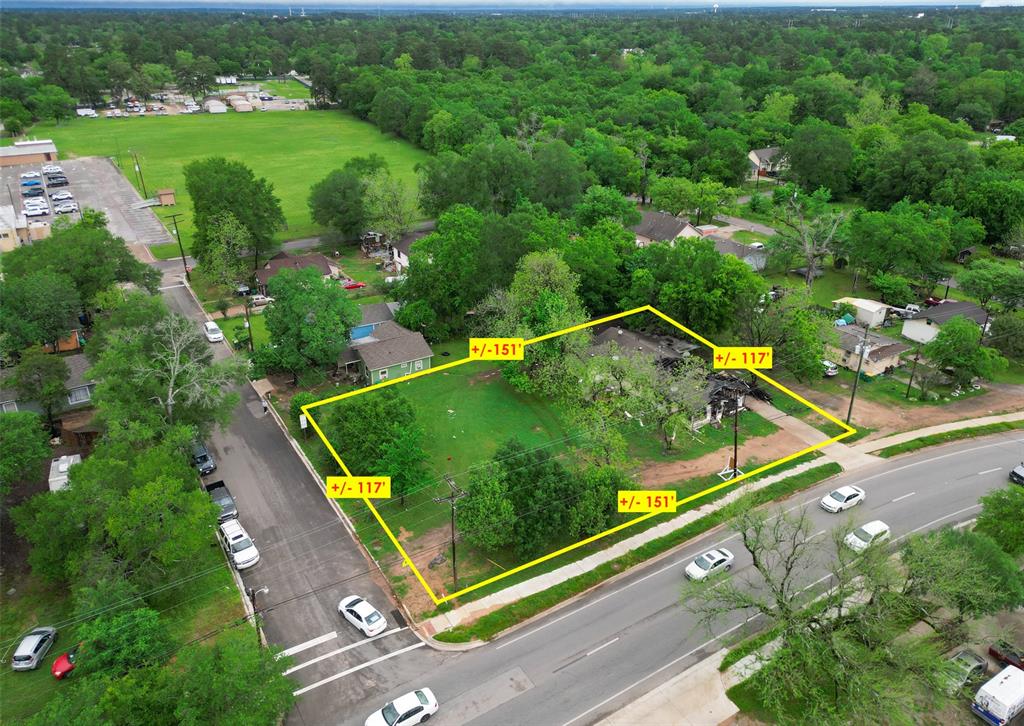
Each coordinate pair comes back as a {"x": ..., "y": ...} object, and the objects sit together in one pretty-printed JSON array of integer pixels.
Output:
[{"x": 292, "y": 150}]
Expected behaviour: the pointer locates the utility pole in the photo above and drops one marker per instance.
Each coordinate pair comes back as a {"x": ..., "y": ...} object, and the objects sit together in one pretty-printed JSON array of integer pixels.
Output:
[
  {"x": 255, "y": 611},
  {"x": 138, "y": 170},
  {"x": 455, "y": 495},
  {"x": 248, "y": 326},
  {"x": 735, "y": 437},
  {"x": 181, "y": 248},
  {"x": 856, "y": 380},
  {"x": 913, "y": 370}
]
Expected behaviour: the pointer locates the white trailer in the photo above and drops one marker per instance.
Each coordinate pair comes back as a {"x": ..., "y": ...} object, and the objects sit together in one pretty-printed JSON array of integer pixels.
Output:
[
  {"x": 59, "y": 471},
  {"x": 1001, "y": 699}
]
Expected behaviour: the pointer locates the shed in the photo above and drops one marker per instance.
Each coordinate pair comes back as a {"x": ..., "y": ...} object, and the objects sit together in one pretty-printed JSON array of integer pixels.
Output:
[
  {"x": 924, "y": 326},
  {"x": 870, "y": 313},
  {"x": 165, "y": 197}
]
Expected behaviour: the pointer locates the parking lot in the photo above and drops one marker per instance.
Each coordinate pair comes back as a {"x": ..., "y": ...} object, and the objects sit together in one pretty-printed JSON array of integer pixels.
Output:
[{"x": 95, "y": 183}]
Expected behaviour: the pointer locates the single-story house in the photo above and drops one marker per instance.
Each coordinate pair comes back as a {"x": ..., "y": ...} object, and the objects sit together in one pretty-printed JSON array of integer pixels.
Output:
[
  {"x": 869, "y": 312},
  {"x": 28, "y": 152},
  {"x": 882, "y": 354},
  {"x": 390, "y": 352},
  {"x": 766, "y": 162},
  {"x": 662, "y": 227},
  {"x": 214, "y": 105},
  {"x": 665, "y": 349},
  {"x": 400, "y": 249},
  {"x": 755, "y": 257},
  {"x": 922, "y": 327},
  {"x": 79, "y": 387},
  {"x": 282, "y": 261},
  {"x": 373, "y": 314}
]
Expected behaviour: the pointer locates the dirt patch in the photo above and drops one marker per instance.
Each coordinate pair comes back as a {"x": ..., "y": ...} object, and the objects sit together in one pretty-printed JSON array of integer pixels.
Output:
[
  {"x": 887, "y": 419},
  {"x": 761, "y": 449},
  {"x": 483, "y": 376},
  {"x": 428, "y": 545}
]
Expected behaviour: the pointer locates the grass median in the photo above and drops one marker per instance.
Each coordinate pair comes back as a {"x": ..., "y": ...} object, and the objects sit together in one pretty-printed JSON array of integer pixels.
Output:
[{"x": 495, "y": 622}]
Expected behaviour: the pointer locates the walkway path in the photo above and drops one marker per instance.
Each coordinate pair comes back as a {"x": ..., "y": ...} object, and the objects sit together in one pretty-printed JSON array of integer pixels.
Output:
[
  {"x": 847, "y": 457},
  {"x": 906, "y": 436},
  {"x": 477, "y": 608}
]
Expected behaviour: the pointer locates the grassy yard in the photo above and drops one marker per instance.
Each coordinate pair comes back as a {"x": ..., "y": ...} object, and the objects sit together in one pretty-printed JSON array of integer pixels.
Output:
[
  {"x": 235, "y": 327},
  {"x": 285, "y": 89},
  {"x": 746, "y": 237},
  {"x": 291, "y": 149},
  {"x": 647, "y": 447}
]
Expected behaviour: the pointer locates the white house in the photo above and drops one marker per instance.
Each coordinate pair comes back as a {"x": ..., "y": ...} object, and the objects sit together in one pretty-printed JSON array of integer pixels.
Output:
[
  {"x": 922, "y": 327},
  {"x": 870, "y": 313},
  {"x": 766, "y": 162}
]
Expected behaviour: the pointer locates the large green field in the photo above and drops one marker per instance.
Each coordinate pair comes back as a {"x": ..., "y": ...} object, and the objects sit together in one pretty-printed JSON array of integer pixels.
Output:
[{"x": 291, "y": 149}]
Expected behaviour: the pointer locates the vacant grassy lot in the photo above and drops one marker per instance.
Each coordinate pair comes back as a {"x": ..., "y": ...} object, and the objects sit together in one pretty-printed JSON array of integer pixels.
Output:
[
  {"x": 286, "y": 89},
  {"x": 291, "y": 149}
]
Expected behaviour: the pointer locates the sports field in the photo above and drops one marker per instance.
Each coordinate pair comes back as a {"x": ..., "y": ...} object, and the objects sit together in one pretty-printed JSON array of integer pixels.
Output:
[{"x": 293, "y": 149}]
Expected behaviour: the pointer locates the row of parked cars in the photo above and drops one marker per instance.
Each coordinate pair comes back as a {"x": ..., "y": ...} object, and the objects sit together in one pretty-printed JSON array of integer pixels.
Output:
[
  {"x": 36, "y": 186},
  {"x": 237, "y": 544}
]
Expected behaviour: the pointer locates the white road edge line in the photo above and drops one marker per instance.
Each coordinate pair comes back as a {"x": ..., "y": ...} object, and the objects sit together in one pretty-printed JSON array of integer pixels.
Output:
[
  {"x": 601, "y": 647},
  {"x": 350, "y": 671},
  {"x": 308, "y": 644},
  {"x": 989, "y": 471},
  {"x": 333, "y": 653},
  {"x": 899, "y": 499}
]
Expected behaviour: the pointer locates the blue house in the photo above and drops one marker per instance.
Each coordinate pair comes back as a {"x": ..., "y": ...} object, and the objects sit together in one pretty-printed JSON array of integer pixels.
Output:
[{"x": 373, "y": 315}]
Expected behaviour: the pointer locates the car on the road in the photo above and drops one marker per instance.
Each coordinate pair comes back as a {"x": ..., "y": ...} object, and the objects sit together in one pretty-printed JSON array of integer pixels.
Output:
[
  {"x": 258, "y": 301},
  {"x": 352, "y": 284},
  {"x": 212, "y": 332},
  {"x": 709, "y": 563},
  {"x": 964, "y": 667},
  {"x": 414, "y": 707},
  {"x": 866, "y": 535},
  {"x": 33, "y": 648},
  {"x": 1006, "y": 652},
  {"x": 240, "y": 548},
  {"x": 32, "y": 192},
  {"x": 829, "y": 369},
  {"x": 202, "y": 459},
  {"x": 35, "y": 211},
  {"x": 30, "y": 175},
  {"x": 1017, "y": 474},
  {"x": 61, "y": 196},
  {"x": 65, "y": 663},
  {"x": 31, "y": 183},
  {"x": 65, "y": 208},
  {"x": 362, "y": 614},
  {"x": 842, "y": 498}
]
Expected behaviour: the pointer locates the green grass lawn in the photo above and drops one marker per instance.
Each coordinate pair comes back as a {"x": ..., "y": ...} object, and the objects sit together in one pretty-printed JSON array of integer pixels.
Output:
[
  {"x": 291, "y": 149},
  {"x": 830, "y": 286},
  {"x": 234, "y": 327},
  {"x": 285, "y": 89},
  {"x": 746, "y": 237},
  {"x": 647, "y": 447}
]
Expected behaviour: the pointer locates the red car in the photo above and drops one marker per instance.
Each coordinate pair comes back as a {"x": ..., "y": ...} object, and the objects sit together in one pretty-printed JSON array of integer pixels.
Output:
[
  {"x": 1006, "y": 653},
  {"x": 352, "y": 284},
  {"x": 65, "y": 663},
  {"x": 933, "y": 301}
]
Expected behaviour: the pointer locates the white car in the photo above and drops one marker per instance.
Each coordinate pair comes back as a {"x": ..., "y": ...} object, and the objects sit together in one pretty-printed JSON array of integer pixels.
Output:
[
  {"x": 35, "y": 211},
  {"x": 239, "y": 547},
  {"x": 863, "y": 537},
  {"x": 830, "y": 368},
  {"x": 709, "y": 563},
  {"x": 258, "y": 301},
  {"x": 62, "y": 196},
  {"x": 842, "y": 498},
  {"x": 362, "y": 614},
  {"x": 34, "y": 202},
  {"x": 414, "y": 707},
  {"x": 30, "y": 175},
  {"x": 65, "y": 208},
  {"x": 52, "y": 169},
  {"x": 213, "y": 332}
]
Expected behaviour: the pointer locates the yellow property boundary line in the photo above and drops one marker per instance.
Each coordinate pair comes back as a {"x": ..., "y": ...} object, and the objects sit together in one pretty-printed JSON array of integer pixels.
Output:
[{"x": 307, "y": 409}]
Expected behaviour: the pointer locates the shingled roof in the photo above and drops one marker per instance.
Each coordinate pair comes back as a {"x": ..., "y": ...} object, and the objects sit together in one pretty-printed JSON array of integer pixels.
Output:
[
  {"x": 879, "y": 346},
  {"x": 391, "y": 345},
  {"x": 944, "y": 311},
  {"x": 726, "y": 246},
  {"x": 300, "y": 262},
  {"x": 660, "y": 226}
]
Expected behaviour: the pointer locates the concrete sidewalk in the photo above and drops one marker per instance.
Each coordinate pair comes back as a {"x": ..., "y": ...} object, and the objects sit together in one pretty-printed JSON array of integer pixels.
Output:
[
  {"x": 696, "y": 697},
  {"x": 850, "y": 458},
  {"x": 477, "y": 608},
  {"x": 906, "y": 436}
]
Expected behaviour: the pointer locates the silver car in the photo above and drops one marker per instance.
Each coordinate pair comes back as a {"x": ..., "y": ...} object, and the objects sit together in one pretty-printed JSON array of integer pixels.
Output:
[{"x": 33, "y": 648}]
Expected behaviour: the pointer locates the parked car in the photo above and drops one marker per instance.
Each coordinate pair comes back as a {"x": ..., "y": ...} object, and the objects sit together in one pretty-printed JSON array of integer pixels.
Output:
[
  {"x": 871, "y": 533},
  {"x": 202, "y": 459},
  {"x": 363, "y": 615},
  {"x": 65, "y": 663},
  {"x": 965, "y": 667},
  {"x": 830, "y": 369},
  {"x": 352, "y": 284},
  {"x": 933, "y": 301},
  {"x": 842, "y": 498},
  {"x": 258, "y": 301},
  {"x": 212, "y": 332},
  {"x": 33, "y": 648},
  {"x": 61, "y": 182},
  {"x": 242, "y": 290},
  {"x": 32, "y": 192},
  {"x": 412, "y": 708},
  {"x": 35, "y": 211},
  {"x": 30, "y": 175},
  {"x": 35, "y": 202},
  {"x": 61, "y": 196},
  {"x": 52, "y": 168},
  {"x": 709, "y": 563},
  {"x": 65, "y": 208},
  {"x": 31, "y": 183},
  {"x": 220, "y": 495},
  {"x": 1007, "y": 653},
  {"x": 240, "y": 548},
  {"x": 1017, "y": 474}
]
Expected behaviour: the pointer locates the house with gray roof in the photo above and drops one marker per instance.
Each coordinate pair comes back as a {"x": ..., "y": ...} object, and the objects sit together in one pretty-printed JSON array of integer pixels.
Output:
[
  {"x": 755, "y": 257},
  {"x": 883, "y": 353},
  {"x": 922, "y": 327},
  {"x": 766, "y": 162},
  {"x": 389, "y": 352},
  {"x": 662, "y": 227},
  {"x": 79, "y": 388},
  {"x": 665, "y": 349},
  {"x": 372, "y": 315}
]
